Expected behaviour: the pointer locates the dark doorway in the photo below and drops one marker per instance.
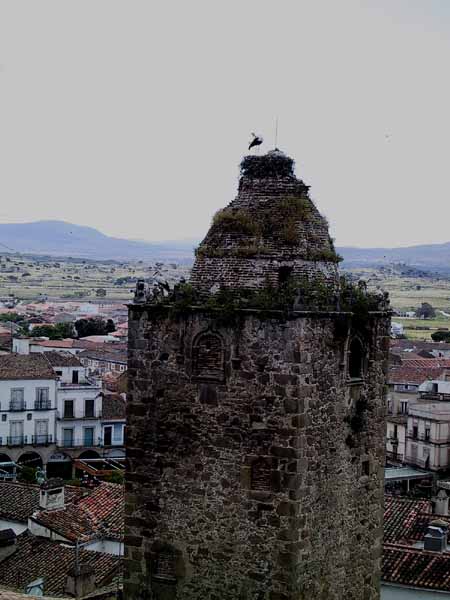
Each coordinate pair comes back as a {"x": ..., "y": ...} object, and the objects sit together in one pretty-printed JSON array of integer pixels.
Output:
[{"x": 107, "y": 438}]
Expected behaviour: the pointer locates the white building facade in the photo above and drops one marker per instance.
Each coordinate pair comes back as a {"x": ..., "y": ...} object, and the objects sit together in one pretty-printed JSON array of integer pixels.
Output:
[{"x": 27, "y": 409}]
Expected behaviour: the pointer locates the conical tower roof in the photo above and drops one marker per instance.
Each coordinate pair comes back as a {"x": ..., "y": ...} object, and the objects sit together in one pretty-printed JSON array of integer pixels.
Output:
[{"x": 269, "y": 232}]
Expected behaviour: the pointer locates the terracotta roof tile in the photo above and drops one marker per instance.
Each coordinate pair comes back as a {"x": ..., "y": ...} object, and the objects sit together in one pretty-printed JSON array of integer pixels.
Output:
[
  {"x": 25, "y": 366},
  {"x": 39, "y": 557},
  {"x": 106, "y": 355},
  {"x": 62, "y": 359},
  {"x": 18, "y": 501},
  {"x": 405, "y": 519},
  {"x": 98, "y": 515},
  {"x": 416, "y": 568},
  {"x": 415, "y": 375}
]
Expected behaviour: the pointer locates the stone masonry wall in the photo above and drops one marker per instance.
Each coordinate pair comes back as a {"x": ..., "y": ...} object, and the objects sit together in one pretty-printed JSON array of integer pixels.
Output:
[{"x": 255, "y": 467}]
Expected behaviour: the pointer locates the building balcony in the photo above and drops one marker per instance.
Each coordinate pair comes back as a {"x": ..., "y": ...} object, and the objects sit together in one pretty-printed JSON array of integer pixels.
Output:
[
  {"x": 16, "y": 440},
  {"x": 41, "y": 440},
  {"x": 74, "y": 443},
  {"x": 17, "y": 406},
  {"x": 72, "y": 417},
  {"x": 418, "y": 462},
  {"x": 26, "y": 440},
  {"x": 435, "y": 396},
  {"x": 40, "y": 405}
]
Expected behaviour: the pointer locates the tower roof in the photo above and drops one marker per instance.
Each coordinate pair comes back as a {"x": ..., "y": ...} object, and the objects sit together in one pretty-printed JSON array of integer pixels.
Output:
[{"x": 272, "y": 227}]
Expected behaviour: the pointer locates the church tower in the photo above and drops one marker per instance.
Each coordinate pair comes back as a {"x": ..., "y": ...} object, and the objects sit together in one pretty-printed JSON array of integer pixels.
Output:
[{"x": 256, "y": 412}]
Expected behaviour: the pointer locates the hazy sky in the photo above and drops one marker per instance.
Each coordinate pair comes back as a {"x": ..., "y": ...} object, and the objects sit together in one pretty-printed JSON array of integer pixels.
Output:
[{"x": 132, "y": 116}]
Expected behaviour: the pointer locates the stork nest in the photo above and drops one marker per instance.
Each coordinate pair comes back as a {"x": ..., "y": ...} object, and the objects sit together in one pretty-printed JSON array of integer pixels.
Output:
[{"x": 274, "y": 164}]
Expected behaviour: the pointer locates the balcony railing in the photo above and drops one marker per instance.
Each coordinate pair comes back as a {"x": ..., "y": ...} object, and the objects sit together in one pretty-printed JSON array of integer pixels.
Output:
[
  {"x": 434, "y": 396},
  {"x": 17, "y": 406},
  {"x": 79, "y": 442},
  {"x": 41, "y": 440},
  {"x": 42, "y": 405},
  {"x": 72, "y": 416},
  {"x": 16, "y": 440},
  {"x": 46, "y": 440},
  {"x": 419, "y": 462}
]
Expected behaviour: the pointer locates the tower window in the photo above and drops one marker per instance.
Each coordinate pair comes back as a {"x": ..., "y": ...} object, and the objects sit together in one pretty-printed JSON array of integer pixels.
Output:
[
  {"x": 284, "y": 274},
  {"x": 261, "y": 476},
  {"x": 165, "y": 566},
  {"x": 208, "y": 357},
  {"x": 356, "y": 359}
]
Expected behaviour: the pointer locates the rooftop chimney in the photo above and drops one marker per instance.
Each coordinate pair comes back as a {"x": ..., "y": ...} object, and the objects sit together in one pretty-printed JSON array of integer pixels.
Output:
[
  {"x": 52, "y": 495},
  {"x": 80, "y": 581},
  {"x": 7, "y": 543},
  {"x": 441, "y": 503},
  {"x": 436, "y": 537}
]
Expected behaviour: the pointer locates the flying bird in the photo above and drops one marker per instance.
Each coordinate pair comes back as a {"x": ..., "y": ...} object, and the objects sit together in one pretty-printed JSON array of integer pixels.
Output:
[{"x": 256, "y": 141}]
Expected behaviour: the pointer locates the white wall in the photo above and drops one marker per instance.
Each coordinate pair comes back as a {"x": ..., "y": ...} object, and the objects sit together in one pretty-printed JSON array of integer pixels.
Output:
[
  {"x": 107, "y": 547},
  {"x": 401, "y": 437},
  {"x": 116, "y": 434},
  {"x": 17, "y": 527},
  {"x": 79, "y": 394},
  {"x": 29, "y": 386},
  {"x": 39, "y": 530},
  {"x": 66, "y": 374},
  {"x": 37, "y": 348},
  {"x": 21, "y": 346}
]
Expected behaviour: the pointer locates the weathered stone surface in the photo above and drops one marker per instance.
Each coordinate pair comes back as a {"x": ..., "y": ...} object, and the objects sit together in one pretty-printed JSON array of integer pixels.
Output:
[
  {"x": 255, "y": 465},
  {"x": 200, "y": 447}
]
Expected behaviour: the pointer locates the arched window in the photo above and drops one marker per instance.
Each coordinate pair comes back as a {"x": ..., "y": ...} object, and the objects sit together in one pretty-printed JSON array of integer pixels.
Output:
[
  {"x": 165, "y": 568},
  {"x": 261, "y": 475},
  {"x": 208, "y": 357},
  {"x": 356, "y": 359}
]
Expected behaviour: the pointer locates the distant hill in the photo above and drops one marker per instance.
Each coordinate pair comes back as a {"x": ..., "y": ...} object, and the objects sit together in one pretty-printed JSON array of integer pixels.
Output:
[
  {"x": 58, "y": 238},
  {"x": 431, "y": 257}
]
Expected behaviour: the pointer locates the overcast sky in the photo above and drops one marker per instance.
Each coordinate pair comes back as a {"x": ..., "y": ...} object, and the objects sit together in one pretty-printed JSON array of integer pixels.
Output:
[{"x": 132, "y": 116}]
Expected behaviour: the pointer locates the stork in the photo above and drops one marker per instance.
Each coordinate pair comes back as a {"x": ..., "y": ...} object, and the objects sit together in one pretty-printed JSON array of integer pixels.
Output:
[{"x": 256, "y": 141}]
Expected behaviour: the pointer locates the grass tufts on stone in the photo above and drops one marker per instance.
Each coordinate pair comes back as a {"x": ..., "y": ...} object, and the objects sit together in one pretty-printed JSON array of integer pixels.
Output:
[{"x": 235, "y": 221}]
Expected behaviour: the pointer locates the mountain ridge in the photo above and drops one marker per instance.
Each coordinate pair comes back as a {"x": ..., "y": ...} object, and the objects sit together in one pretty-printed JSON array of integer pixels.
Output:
[{"x": 61, "y": 238}]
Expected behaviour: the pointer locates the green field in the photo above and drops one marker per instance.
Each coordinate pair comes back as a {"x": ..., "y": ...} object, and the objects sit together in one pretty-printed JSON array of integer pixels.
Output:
[{"x": 29, "y": 279}]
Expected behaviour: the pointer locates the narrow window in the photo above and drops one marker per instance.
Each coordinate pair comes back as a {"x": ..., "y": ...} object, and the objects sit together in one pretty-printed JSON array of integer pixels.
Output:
[
  {"x": 261, "y": 475},
  {"x": 42, "y": 401},
  {"x": 17, "y": 401},
  {"x": 74, "y": 376},
  {"x": 284, "y": 274},
  {"x": 89, "y": 408},
  {"x": 355, "y": 359},
  {"x": 165, "y": 567},
  {"x": 208, "y": 357},
  {"x": 68, "y": 409}
]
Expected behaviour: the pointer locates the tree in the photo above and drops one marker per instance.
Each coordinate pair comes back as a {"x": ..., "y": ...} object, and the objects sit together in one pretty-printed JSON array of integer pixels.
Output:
[
  {"x": 97, "y": 326},
  {"x": 100, "y": 292},
  {"x": 11, "y": 317},
  {"x": 426, "y": 311},
  {"x": 27, "y": 474},
  {"x": 441, "y": 336},
  {"x": 110, "y": 327},
  {"x": 54, "y": 332}
]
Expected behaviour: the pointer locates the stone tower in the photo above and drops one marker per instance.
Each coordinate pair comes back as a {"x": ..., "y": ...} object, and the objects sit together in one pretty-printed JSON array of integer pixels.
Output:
[{"x": 256, "y": 412}]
